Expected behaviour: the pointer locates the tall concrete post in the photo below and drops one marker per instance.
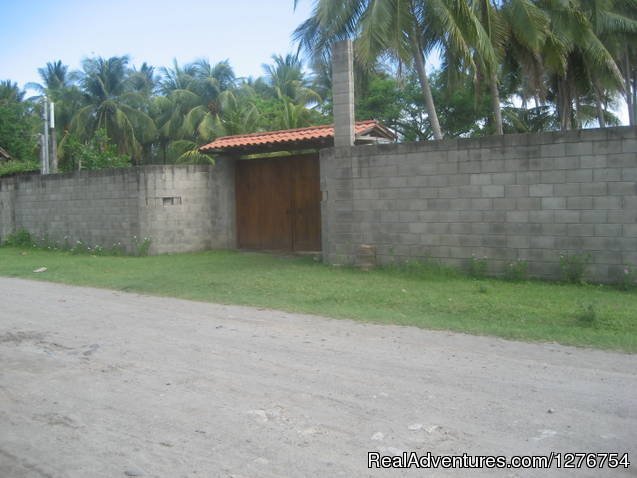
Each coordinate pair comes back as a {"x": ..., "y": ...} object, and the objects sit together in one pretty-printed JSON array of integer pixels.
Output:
[{"x": 343, "y": 93}]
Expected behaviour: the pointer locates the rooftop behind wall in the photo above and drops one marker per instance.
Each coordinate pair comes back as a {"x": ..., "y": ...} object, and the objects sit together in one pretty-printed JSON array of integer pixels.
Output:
[{"x": 511, "y": 198}]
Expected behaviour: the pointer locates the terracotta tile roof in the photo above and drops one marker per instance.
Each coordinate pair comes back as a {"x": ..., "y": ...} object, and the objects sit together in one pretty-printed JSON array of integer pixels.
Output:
[{"x": 323, "y": 135}]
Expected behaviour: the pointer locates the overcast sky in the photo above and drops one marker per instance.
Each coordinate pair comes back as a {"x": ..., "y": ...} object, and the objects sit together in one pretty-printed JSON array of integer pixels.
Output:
[{"x": 247, "y": 32}]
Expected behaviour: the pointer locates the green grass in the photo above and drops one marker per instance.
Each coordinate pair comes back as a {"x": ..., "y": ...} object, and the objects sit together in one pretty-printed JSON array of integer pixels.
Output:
[{"x": 423, "y": 295}]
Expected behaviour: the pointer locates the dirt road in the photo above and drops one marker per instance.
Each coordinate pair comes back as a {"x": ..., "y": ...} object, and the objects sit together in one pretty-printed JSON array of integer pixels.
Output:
[{"x": 96, "y": 383}]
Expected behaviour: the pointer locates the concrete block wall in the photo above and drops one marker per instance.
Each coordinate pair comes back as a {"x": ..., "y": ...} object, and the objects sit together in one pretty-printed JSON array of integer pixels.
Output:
[
  {"x": 180, "y": 208},
  {"x": 187, "y": 208},
  {"x": 525, "y": 197},
  {"x": 7, "y": 209}
]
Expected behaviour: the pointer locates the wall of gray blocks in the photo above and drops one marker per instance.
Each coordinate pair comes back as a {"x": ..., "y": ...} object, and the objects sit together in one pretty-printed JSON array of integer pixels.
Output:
[
  {"x": 180, "y": 208},
  {"x": 527, "y": 197},
  {"x": 518, "y": 197}
]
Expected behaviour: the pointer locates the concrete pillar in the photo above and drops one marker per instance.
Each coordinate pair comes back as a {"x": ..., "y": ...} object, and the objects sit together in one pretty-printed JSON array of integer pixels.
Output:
[{"x": 343, "y": 93}]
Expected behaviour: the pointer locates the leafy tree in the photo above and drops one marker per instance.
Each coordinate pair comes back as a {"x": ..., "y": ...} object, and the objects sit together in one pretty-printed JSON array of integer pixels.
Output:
[
  {"x": 19, "y": 125},
  {"x": 97, "y": 153},
  {"x": 109, "y": 99}
]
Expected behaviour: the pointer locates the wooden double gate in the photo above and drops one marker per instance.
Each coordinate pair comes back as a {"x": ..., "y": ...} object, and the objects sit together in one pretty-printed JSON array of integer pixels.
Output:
[{"x": 279, "y": 203}]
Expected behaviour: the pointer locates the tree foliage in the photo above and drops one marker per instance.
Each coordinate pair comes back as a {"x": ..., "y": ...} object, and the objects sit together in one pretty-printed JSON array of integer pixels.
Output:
[{"x": 505, "y": 66}]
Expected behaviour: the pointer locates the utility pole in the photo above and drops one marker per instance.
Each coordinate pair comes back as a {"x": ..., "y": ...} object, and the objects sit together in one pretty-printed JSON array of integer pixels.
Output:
[
  {"x": 44, "y": 156},
  {"x": 54, "y": 145}
]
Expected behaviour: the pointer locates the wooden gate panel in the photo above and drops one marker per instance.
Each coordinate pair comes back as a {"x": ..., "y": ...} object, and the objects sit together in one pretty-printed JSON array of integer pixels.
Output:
[
  {"x": 306, "y": 199},
  {"x": 278, "y": 203}
]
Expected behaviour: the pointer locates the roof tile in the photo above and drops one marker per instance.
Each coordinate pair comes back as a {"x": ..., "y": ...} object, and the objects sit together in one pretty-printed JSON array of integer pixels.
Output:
[{"x": 287, "y": 136}]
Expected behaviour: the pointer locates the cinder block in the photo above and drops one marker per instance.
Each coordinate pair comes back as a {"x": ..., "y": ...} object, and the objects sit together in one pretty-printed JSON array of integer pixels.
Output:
[
  {"x": 607, "y": 258},
  {"x": 553, "y": 150},
  {"x": 625, "y": 160},
  {"x": 554, "y": 176},
  {"x": 517, "y": 216},
  {"x": 494, "y": 216},
  {"x": 416, "y": 181},
  {"x": 579, "y": 176},
  {"x": 480, "y": 179},
  {"x": 580, "y": 230},
  {"x": 492, "y": 191},
  {"x": 460, "y": 228},
  {"x": 447, "y": 167},
  {"x": 594, "y": 217},
  {"x": 594, "y": 189},
  {"x": 438, "y": 181},
  {"x": 607, "y": 174},
  {"x": 566, "y": 217},
  {"x": 465, "y": 166},
  {"x": 629, "y": 174},
  {"x": 610, "y": 230},
  {"x": 541, "y": 217},
  {"x": 448, "y": 192},
  {"x": 608, "y": 202},
  {"x": 515, "y": 190},
  {"x": 599, "y": 243},
  {"x": 629, "y": 230},
  {"x": 502, "y": 203},
  {"x": 503, "y": 178},
  {"x": 518, "y": 242},
  {"x": 553, "y": 203},
  {"x": 528, "y": 203},
  {"x": 469, "y": 216},
  {"x": 579, "y": 148},
  {"x": 527, "y": 177},
  {"x": 541, "y": 190},
  {"x": 579, "y": 203},
  {"x": 469, "y": 191},
  {"x": 568, "y": 162},
  {"x": 569, "y": 243},
  {"x": 542, "y": 242},
  {"x": 554, "y": 229},
  {"x": 480, "y": 228},
  {"x": 492, "y": 166},
  {"x": 567, "y": 189},
  {"x": 607, "y": 147},
  {"x": 623, "y": 188}
]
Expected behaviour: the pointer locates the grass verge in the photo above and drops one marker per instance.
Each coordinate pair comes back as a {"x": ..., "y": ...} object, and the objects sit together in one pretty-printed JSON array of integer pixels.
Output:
[{"x": 422, "y": 295}]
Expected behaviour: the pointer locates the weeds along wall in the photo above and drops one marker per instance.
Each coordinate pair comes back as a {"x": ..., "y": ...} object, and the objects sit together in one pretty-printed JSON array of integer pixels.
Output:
[
  {"x": 530, "y": 197},
  {"x": 180, "y": 208}
]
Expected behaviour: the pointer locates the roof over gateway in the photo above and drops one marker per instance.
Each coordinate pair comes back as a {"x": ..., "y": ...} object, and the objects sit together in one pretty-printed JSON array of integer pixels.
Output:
[{"x": 300, "y": 138}]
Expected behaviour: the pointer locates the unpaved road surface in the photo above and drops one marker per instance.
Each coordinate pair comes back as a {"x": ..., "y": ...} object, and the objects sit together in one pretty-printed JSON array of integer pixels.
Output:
[{"x": 96, "y": 383}]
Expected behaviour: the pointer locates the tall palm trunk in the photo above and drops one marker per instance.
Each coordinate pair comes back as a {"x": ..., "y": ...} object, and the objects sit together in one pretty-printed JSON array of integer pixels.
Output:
[
  {"x": 634, "y": 98},
  {"x": 495, "y": 103},
  {"x": 629, "y": 91},
  {"x": 598, "y": 104},
  {"x": 419, "y": 62},
  {"x": 565, "y": 103}
]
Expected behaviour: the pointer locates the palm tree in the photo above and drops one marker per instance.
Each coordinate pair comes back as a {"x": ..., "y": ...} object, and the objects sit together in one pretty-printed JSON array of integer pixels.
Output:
[
  {"x": 407, "y": 30},
  {"x": 143, "y": 80},
  {"x": 286, "y": 78},
  {"x": 392, "y": 27},
  {"x": 58, "y": 85},
  {"x": 10, "y": 92},
  {"x": 109, "y": 99},
  {"x": 576, "y": 58},
  {"x": 209, "y": 83}
]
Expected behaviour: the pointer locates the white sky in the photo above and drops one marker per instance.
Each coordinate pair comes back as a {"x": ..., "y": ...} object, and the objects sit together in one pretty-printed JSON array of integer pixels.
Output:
[{"x": 247, "y": 32}]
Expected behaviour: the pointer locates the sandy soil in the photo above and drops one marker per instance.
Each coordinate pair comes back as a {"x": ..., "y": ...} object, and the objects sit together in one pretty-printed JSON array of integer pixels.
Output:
[{"x": 96, "y": 383}]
